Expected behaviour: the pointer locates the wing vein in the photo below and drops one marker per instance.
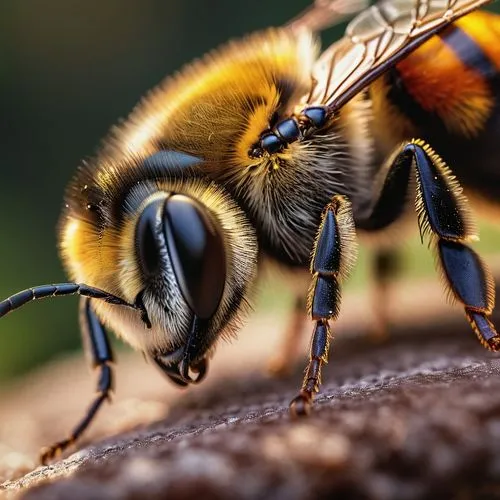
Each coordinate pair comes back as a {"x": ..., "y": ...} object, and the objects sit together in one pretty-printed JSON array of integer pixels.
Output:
[{"x": 376, "y": 39}]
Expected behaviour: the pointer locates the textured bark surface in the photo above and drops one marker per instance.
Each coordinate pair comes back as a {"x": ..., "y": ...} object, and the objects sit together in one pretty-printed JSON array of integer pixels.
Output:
[{"x": 415, "y": 418}]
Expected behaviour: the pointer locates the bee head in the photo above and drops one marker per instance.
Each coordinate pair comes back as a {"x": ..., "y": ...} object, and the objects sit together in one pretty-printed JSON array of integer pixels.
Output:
[{"x": 176, "y": 245}]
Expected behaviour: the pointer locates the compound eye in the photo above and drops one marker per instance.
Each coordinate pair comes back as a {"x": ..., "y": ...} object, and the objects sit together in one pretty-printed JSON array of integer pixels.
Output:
[
  {"x": 146, "y": 240},
  {"x": 196, "y": 250}
]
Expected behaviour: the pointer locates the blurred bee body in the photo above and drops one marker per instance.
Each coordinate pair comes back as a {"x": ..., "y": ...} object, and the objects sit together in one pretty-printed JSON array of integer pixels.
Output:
[{"x": 267, "y": 150}]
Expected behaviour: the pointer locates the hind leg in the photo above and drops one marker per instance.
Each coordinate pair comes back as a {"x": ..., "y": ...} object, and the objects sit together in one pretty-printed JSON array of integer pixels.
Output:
[
  {"x": 385, "y": 266},
  {"x": 283, "y": 360}
]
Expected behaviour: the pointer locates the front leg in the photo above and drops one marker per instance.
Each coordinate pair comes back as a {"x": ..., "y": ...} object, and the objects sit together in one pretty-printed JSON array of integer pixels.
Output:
[
  {"x": 333, "y": 256},
  {"x": 96, "y": 345}
]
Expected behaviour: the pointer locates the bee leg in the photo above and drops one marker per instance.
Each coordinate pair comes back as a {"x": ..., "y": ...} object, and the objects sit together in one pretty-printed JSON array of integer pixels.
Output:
[
  {"x": 281, "y": 362},
  {"x": 96, "y": 344},
  {"x": 444, "y": 215},
  {"x": 333, "y": 256},
  {"x": 385, "y": 266}
]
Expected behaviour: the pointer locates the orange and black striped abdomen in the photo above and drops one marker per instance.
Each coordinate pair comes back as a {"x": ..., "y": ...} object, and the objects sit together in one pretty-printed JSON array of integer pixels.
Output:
[{"x": 447, "y": 92}]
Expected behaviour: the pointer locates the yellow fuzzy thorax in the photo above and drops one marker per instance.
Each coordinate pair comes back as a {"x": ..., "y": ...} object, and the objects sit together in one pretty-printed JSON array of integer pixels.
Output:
[{"x": 216, "y": 107}]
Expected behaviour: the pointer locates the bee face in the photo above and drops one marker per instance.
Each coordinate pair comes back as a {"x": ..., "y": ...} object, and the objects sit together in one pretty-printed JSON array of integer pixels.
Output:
[{"x": 182, "y": 248}]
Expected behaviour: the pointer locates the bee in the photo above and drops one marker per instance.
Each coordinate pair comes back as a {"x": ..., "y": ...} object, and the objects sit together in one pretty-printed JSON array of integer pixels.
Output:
[{"x": 267, "y": 150}]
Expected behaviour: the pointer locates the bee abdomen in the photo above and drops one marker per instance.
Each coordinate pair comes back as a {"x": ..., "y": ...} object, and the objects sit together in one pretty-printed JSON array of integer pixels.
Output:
[{"x": 449, "y": 86}]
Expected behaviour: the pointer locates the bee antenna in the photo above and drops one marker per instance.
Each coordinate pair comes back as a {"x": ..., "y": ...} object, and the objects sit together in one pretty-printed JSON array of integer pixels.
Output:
[{"x": 61, "y": 289}]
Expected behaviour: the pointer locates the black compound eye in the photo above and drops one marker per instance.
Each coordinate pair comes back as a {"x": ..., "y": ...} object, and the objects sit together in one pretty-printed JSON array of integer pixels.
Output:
[
  {"x": 196, "y": 250},
  {"x": 146, "y": 240}
]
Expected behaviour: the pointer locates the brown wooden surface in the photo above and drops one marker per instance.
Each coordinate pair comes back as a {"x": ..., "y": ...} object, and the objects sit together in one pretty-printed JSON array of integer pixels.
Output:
[{"x": 417, "y": 417}]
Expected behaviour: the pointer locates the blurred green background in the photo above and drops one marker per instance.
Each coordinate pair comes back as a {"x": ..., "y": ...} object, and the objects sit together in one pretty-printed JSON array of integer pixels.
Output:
[{"x": 69, "y": 69}]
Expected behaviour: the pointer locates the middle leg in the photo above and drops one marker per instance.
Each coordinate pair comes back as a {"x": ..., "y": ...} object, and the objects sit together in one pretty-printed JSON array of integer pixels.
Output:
[{"x": 334, "y": 254}]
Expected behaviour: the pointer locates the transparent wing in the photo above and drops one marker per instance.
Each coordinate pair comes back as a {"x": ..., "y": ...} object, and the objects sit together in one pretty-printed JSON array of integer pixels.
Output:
[
  {"x": 323, "y": 14},
  {"x": 376, "y": 39}
]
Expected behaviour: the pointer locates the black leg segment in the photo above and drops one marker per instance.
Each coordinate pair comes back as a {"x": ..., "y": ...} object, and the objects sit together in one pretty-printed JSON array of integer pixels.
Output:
[
  {"x": 96, "y": 344},
  {"x": 333, "y": 256},
  {"x": 471, "y": 283}
]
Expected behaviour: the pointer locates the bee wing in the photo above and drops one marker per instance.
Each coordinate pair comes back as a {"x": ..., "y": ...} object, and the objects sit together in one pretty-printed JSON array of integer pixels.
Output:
[
  {"x": 376, "y": 39},
  {"x": 326, "y": 13}
]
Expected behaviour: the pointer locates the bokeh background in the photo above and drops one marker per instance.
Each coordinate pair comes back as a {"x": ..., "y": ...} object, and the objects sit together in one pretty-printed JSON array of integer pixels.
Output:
[{"x": 69, "y": 70}]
